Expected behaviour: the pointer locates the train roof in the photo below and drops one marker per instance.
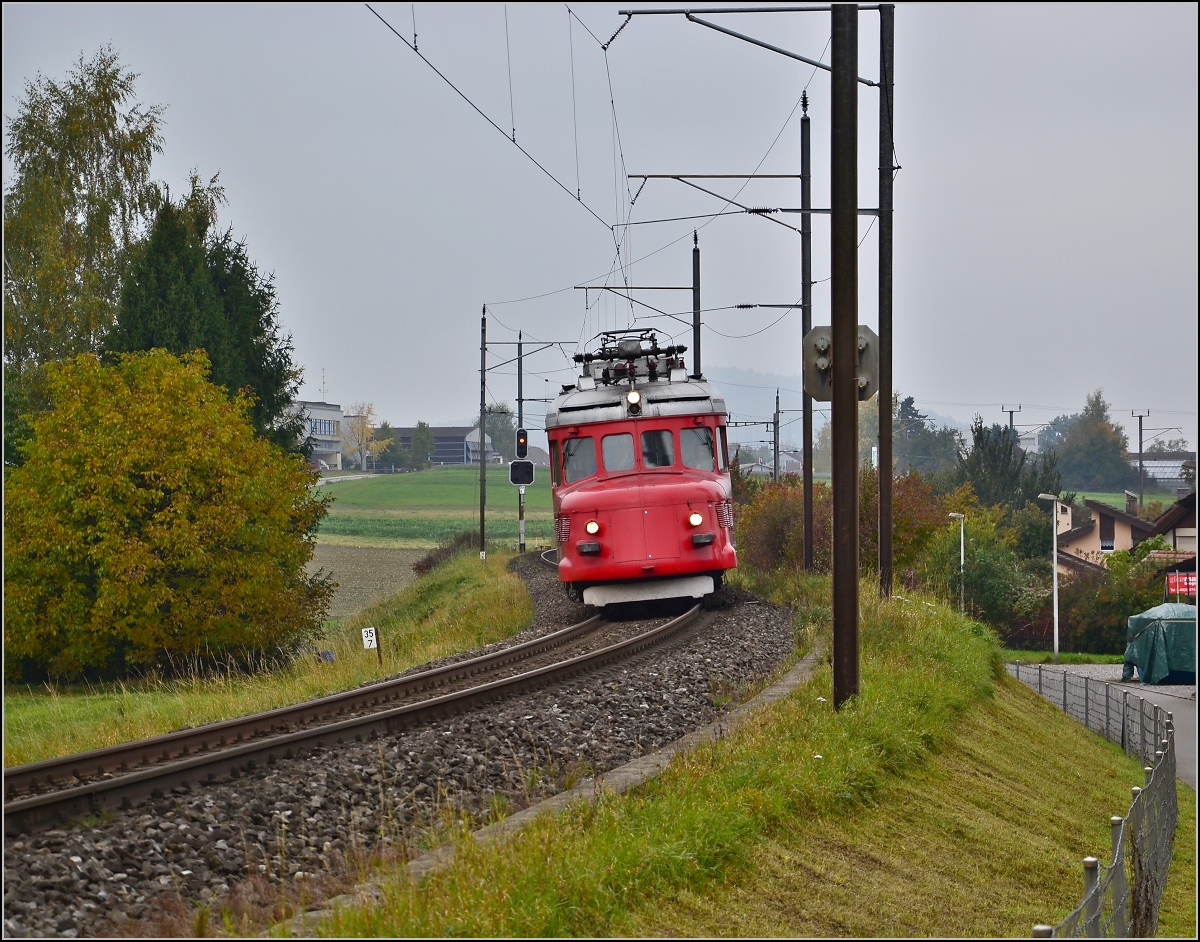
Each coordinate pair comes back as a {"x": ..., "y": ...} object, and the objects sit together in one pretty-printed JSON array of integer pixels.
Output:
[{"x": 624, "y": 363}]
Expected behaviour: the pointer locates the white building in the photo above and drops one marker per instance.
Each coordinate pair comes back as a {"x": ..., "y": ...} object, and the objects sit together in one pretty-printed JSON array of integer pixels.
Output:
[{"x": 323, "y": 427}]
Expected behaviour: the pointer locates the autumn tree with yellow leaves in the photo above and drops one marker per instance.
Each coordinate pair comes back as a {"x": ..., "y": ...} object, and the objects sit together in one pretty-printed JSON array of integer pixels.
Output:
[{"x": 149, "y": 524}]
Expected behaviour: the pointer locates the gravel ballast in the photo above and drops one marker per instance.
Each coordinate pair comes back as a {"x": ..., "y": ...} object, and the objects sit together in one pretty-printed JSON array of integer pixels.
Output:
[{"x": 314, "y": 824}]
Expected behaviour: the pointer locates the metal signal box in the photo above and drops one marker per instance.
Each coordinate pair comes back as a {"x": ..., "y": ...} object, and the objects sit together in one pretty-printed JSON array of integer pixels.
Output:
[
  {"x": 818, "y": 363},
  {"x": 520, "y": 472}
]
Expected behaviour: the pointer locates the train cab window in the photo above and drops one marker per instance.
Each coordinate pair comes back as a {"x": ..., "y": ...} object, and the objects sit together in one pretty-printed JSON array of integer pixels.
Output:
[
  {"x": 696, "y": 447},
  {"x": 617, "y": 451},
  {"x": 554, "y": 466},
  {"x": 579, "y": 458},
  {"x": 722, "y": 450},
  {"x": 658, "y": 448}
]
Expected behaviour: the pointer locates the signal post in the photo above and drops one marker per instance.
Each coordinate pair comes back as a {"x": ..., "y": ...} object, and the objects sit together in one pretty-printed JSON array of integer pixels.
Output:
[{"x": 520, "y": 473}]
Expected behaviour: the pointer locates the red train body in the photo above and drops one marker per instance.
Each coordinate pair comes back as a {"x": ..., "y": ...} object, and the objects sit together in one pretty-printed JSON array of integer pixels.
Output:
[{"x": 639, "y": 461}]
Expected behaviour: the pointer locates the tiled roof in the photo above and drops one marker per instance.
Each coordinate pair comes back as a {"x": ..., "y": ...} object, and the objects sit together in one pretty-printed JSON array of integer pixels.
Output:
[
  {"x": 1137, "y": 523},
  {"x": 1174, "y": 514}
]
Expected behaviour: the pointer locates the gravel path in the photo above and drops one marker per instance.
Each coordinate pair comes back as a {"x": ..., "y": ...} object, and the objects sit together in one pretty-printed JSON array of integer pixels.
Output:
[
  {"x": 304, "y": 830},
  {"x": 1111, "y": 673}
]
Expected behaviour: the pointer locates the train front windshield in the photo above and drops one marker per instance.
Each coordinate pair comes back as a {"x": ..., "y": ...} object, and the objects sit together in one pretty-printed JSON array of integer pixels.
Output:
[
  {"x": 697, "y": 447},
  {"x": 658, "y": 448},
  {"x": 579, "y": 458}
]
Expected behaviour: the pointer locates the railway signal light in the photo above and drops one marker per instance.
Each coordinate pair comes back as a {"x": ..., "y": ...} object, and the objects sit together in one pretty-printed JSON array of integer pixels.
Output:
[
  {"x": 522, "y": 443},
  {"x": 818, "y": 363},
  {"x": 520, "y": 472}
]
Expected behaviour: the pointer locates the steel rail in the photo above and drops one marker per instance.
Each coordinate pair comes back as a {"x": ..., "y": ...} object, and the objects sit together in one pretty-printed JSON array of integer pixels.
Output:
[
  {"x": 125, "y": 757},
  {"x": 210, "y": 768}
]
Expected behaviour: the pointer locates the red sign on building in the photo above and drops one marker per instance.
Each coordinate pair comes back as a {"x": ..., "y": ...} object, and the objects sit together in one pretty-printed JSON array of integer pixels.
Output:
[{"x": 1181, "y": 583}]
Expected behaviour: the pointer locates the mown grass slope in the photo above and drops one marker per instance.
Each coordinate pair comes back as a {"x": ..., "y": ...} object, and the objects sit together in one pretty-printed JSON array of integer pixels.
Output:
[{"x": 944, "y": 776}]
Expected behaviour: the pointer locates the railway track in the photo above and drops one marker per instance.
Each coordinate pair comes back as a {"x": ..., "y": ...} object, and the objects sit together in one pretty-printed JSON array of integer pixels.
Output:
[{"x": 105, "y": 779}]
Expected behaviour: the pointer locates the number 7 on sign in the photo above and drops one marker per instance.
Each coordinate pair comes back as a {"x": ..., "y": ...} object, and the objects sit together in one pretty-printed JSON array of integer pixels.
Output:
[{"x": 371, "y": 640}]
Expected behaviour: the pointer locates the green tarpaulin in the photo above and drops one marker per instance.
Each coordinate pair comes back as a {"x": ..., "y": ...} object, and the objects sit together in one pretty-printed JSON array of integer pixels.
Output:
[{"x": 1161, "y": 644}]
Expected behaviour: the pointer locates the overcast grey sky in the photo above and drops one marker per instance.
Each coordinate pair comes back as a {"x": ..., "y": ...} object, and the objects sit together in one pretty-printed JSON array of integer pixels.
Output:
[{"x": 1046, "y": 212}]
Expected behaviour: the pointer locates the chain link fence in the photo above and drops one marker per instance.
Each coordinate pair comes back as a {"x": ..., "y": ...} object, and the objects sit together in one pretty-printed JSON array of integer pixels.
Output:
[{"x": 1120, "y": 899}]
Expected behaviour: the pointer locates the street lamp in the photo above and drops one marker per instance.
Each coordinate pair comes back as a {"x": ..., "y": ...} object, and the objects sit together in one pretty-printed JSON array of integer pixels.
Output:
[
  {"x": 962, "y": 560},
  {"x": 1053, "y": 498}
]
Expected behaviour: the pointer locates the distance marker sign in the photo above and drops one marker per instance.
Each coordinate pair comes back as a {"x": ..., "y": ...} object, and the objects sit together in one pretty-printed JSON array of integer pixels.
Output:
[{"x": 370, "y": 639}]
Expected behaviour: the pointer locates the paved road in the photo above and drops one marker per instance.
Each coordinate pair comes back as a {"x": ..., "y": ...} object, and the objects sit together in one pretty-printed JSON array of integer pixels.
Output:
[
  {"x": 1183, "y": 711},
  {"x": 345, "y": 477}
]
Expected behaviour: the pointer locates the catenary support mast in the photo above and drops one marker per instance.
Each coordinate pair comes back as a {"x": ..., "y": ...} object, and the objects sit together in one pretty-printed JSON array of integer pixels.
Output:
[
  {"x": 886, "y": 57},
  {"x": 844, "y": 314}
]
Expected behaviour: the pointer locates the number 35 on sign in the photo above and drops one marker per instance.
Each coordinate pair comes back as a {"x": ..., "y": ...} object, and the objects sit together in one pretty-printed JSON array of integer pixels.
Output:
[{"x": 370, "y": 639}]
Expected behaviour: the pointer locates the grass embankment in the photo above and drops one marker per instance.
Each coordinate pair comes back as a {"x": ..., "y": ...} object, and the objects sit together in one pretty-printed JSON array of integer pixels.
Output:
[
  {"x": 948, "y": 801},
  {"x": 460, "y": 605},
  {"x": 423, "y": 509},
  {"x": 1064, "y": 657}
]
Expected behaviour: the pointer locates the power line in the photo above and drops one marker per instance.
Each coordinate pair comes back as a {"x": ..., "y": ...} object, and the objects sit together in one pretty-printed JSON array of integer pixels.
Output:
[{"x": 480, "y": 112}]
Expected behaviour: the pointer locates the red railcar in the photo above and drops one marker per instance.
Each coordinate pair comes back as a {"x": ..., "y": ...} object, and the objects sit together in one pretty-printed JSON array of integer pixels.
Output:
[{"x": 639, "y": 462}]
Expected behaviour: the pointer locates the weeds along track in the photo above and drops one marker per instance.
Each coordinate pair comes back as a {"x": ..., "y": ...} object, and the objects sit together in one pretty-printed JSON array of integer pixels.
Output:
[{"x": 88, "y": 783}]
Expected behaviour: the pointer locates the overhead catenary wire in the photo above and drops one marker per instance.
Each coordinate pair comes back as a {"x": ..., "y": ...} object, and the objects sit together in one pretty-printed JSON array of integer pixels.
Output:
[
  {"x": 508, "y": 53},
  {"x": 574, "y": 108},
  {"x": 481, "y": 113},
  {"x": 685, "y": 235}
]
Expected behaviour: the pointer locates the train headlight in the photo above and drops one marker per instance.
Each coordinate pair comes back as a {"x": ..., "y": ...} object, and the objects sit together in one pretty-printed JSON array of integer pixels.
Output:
[
  {"x": 695, "y": 519},
  {"x": 592, "y": 527},
  {"x": 633, "y": 397}
]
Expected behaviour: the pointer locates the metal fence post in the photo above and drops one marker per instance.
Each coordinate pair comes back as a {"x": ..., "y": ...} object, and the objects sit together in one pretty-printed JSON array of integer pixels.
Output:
[
  {"x": 1107, "y": 730},
  {"x": 1063, "y": 678},
  {"x": 1039, "y": 679},
  {"x": 1120, "y": 922},
  {"x": 1124, "y": 720},
  {"x": 1141, "y": 729},
  {"x": 1087, "y": 711},
  {"x": 1091, "y": 899},
  {"x": 1135, "y": 814}
]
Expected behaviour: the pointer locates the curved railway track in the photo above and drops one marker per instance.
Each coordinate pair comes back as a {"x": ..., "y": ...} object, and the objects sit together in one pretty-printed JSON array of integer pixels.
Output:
[{"x": 88, "y": 783}]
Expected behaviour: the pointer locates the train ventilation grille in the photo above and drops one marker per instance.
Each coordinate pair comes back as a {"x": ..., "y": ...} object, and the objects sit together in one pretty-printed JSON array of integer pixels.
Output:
[
  {"x": 725, "y": 514},
  {"x": 562, "y": 529}
]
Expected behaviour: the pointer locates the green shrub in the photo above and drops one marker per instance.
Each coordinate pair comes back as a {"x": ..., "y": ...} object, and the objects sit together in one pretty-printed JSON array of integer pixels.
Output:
[
  {"x": 771, "y": 526},
  {"x": 149, "y": 524}
]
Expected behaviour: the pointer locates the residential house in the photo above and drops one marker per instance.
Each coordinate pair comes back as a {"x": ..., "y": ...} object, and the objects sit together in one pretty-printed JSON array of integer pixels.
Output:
[
  {"x": 1110, "y": 530},
  {"x": 1178, "y": 525}
]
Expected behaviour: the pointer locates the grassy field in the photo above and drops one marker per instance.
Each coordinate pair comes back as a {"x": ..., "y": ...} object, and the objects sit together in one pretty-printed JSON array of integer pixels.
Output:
[
  {"x": 948, "y": 801},
  {"x": 461, "y": 605},
  {"x": 1117, "y": 499},
  {"x": 425, "y": 508}
]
